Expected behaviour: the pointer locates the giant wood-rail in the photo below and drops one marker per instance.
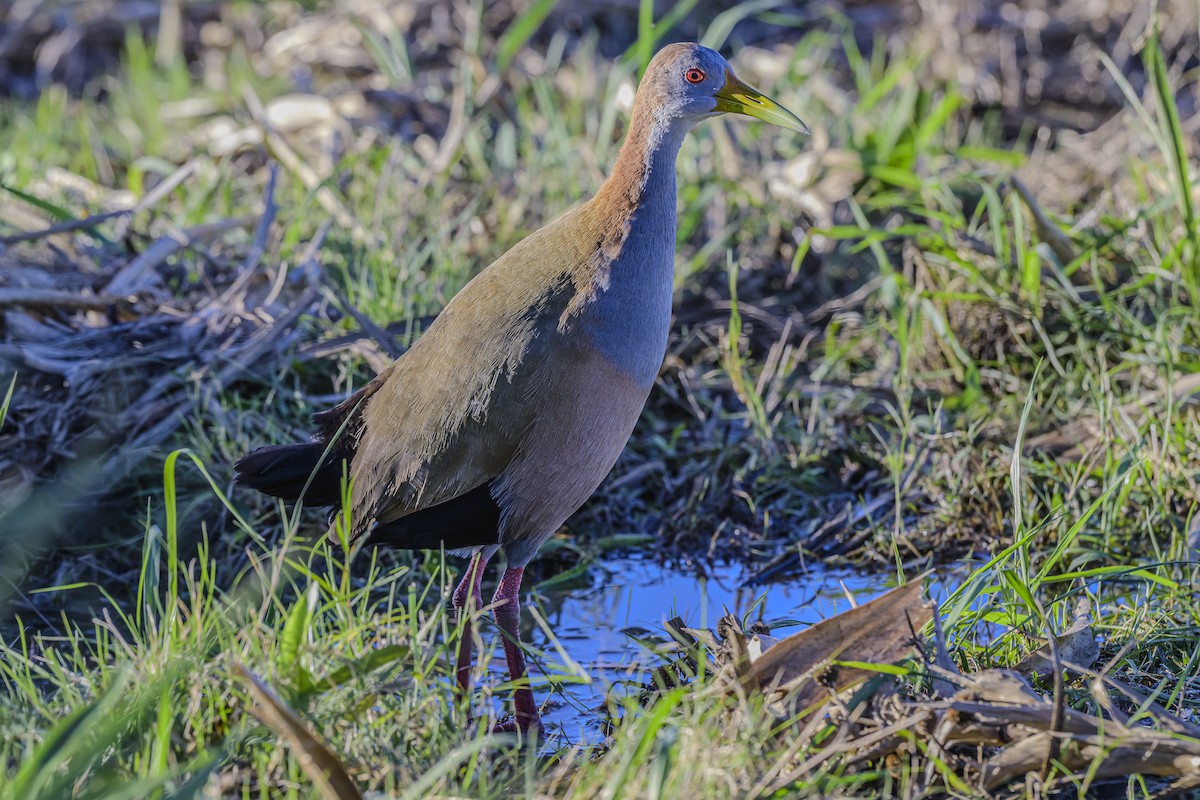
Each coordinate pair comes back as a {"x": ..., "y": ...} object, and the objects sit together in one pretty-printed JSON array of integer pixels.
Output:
[{"x": 511, "y": 408}]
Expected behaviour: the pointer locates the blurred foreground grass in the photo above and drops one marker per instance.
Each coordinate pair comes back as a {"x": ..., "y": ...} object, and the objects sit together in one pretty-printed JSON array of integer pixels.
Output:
[{"x": 915, "y": 337}]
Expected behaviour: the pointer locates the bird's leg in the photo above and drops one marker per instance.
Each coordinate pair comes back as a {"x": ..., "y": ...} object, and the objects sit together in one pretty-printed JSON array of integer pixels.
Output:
[
  {"x": 468, "y": 599},
  {"x": 507, "y": 611}
]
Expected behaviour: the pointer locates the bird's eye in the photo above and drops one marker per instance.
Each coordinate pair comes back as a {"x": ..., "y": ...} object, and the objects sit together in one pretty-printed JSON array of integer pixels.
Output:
[{"x": 694, "y": 75}]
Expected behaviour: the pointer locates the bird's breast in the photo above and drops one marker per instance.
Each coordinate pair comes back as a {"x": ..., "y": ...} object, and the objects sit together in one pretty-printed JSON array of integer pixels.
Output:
[{"x": 627, "y": 316}]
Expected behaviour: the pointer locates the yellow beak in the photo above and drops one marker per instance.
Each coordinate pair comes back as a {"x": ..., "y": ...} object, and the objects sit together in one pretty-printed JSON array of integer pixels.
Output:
[{"x": 736, "y": 97}]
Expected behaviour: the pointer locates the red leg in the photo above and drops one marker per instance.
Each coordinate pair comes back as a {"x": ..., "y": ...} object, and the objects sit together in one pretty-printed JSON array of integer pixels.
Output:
[
  {"x": 507, "y": 611},
  {"x": 468, "y": 589}
]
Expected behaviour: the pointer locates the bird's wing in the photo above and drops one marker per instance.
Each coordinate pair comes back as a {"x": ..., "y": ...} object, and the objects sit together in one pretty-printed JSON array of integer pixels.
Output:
[{"x": 454, "y": 408}]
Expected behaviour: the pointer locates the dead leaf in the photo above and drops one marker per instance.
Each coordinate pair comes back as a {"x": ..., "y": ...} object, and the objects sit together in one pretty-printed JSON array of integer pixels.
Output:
[
  {"x": 943, "y": 684},
  {"x": 879, "y": 632},
  {"x": 736, "y": 652},
  {"x": 1076, "y": 645},
  {"x": 1047, "y": 231},
  {"x": 318, "y": 762}
]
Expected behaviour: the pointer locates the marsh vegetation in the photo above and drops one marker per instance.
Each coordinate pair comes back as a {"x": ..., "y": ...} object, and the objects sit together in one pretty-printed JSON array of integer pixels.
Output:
[{"x": 956, "y": 329}]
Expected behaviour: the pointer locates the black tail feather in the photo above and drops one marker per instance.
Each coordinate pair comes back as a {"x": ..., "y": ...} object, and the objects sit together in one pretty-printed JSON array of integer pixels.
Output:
[
  {"x": 470, "y": 520},
  {"x": 282, "y": 470}
]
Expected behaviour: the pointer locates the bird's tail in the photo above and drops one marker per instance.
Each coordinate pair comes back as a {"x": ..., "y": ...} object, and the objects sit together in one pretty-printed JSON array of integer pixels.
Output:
[{"x": 282, "y": 470}]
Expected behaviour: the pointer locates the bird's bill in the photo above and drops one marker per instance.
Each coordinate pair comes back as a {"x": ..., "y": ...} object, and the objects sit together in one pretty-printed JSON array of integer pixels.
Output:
[{"x": 736, "y": 97}]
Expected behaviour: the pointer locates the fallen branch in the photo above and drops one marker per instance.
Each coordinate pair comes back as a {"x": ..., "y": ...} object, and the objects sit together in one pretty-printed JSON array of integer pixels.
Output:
[
  {"x": 127, "y": 280},
  {"x": 57, "y": 298}
]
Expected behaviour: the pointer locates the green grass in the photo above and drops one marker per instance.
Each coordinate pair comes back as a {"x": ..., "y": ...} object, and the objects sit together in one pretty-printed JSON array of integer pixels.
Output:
[{"x": 975, "y": 337}]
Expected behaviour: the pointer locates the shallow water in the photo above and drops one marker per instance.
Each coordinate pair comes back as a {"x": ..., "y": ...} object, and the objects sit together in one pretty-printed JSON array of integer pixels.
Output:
[{"x": 629, "y": 598}]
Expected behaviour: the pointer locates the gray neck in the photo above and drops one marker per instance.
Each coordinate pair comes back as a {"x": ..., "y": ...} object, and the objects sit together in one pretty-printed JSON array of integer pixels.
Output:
[
  {"x": 653, "y": 226},
  {"x": 661, "y": 152},
  {"x": 650, "y": 242},
  {"x": 630, "y": 318},
  {"x": 658, "y": 188}
]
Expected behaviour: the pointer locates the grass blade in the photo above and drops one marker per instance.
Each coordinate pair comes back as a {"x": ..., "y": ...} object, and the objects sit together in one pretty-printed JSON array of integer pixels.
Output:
[
  {"x": 718, "y": 32},
  {"x": 521, "y": 30},
  {"x": 70, "y": 748},
  {"x": 8, "y": 396},
  {"x": 1176, "y": 156},
  {"x": 60, "y": 214}
]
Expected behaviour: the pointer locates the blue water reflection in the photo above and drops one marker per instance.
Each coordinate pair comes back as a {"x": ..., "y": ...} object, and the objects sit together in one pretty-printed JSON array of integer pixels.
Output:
[{"x": 601, "y": 627}]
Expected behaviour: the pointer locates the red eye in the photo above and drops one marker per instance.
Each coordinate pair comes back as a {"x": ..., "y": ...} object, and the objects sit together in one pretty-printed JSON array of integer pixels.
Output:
[{"x": 694, "y": 75}]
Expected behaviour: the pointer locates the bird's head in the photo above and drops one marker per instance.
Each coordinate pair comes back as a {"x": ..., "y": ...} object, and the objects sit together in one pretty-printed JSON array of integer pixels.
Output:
[{"x": 691, "y": 82}]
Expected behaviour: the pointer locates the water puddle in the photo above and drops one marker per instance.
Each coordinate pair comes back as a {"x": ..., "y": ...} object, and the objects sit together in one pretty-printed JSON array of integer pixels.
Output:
[{"x": 629, "y": 598}]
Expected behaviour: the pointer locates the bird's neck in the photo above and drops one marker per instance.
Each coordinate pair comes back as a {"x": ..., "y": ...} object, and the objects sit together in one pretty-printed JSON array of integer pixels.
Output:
[
  {"x": 641, "y": 188},
  {"x": 624, "y": 311}
]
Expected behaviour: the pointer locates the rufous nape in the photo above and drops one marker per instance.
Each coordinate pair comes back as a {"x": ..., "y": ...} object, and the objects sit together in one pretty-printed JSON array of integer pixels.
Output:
[{"x": 508, "y": 412}]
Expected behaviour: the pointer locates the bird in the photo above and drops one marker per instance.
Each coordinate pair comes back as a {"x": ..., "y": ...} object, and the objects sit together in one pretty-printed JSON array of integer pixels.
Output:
[{"x": 512, "y": 407}]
